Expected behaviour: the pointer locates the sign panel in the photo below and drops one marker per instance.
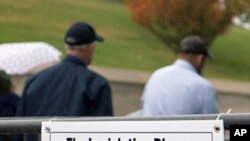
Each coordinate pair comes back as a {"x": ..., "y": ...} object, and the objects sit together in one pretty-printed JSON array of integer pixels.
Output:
[{"x": 205, "y": 130}]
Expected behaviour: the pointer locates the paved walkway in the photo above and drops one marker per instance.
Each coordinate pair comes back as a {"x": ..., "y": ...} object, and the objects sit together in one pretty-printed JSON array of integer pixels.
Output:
[{"x": 140, "y": 77}]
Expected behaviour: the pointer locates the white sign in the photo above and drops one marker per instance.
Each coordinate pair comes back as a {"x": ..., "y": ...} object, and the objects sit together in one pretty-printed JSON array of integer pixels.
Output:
[{"x": 202, "y": 130}]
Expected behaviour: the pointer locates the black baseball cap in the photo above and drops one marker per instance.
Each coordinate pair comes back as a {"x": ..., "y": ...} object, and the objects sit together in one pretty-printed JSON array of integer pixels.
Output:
[
  {"x": 195, "y": 45},
  {"x": 81, "y": 33}
]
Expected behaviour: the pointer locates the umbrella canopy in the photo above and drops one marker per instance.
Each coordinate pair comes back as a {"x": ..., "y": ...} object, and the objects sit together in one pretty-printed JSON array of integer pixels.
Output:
[{"x": 20, "y": 58}]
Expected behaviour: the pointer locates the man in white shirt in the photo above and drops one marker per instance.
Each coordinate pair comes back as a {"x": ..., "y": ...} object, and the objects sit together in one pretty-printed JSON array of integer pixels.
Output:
[{"x": 180, "y": 89}]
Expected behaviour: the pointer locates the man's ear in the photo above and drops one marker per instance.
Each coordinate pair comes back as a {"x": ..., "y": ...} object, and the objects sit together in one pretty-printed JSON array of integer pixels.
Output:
[
  {"x": 201, "y": 57},
  {"x": 90, "y": 47},
  {"x": 89, "y": 50}
]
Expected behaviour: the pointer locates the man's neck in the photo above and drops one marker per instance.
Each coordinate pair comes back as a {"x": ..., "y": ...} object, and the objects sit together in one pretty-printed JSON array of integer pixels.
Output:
[{"x": 76, "y": 54}]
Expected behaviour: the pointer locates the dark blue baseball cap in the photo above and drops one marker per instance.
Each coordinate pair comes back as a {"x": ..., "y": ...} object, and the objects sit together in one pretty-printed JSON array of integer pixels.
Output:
[{"x": 81, "y": 33}]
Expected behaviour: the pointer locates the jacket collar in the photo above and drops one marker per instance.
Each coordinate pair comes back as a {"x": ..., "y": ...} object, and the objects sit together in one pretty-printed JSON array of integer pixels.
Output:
[{"x": 74, "y": 59}]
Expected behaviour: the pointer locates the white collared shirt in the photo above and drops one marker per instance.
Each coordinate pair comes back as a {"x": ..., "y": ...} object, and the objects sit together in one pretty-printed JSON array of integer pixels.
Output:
[{"x": 176, "y": 90}]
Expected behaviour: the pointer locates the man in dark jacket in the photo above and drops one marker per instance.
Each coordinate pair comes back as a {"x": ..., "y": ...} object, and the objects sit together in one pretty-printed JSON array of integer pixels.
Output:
[
  {"x": 8, "y": 101},
  {"x": 69, "y": 88}
]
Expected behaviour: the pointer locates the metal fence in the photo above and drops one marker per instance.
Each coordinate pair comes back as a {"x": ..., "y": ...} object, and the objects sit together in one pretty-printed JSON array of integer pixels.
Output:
[{"x": 33, "y": 124}]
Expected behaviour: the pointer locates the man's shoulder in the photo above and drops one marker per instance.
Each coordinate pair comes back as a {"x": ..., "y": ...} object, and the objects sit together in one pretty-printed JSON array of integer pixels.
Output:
[
  {"x": 68, "y": 69},
  {"x": 46, "y": 70},
  {"x": 61, "y": 66},
  {"x": 203, "y": 82},
  {"x": 172, "y": 72},
  {"x": 163, "y": 71}
]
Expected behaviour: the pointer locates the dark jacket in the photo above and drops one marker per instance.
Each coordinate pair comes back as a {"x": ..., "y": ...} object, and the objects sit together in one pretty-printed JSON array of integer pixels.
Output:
[
  {"x": 8, "y": 104},
  {"x": 8, "y": 108},
  {"x": 66, "y": 89}
]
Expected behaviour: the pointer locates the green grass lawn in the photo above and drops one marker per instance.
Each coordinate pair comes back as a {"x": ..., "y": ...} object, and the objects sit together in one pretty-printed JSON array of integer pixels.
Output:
[
  {"x": 127, "y": 45},
  {"x": 232, "y": 52}
]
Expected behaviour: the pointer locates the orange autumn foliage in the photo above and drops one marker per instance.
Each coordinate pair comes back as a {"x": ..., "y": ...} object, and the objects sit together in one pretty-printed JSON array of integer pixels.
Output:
[{"x": 171, "y": 20}]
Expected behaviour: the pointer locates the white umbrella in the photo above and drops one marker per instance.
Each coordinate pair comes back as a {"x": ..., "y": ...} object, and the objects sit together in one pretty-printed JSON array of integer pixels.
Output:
[{"x": 20, "y": 58}]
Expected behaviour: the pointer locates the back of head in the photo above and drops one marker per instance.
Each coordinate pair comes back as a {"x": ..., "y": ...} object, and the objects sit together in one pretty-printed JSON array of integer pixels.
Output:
[
  {"x": 194, "y": 45},
  {"x": 79, "y": 39},
  {"x": 5, "y": 82}
]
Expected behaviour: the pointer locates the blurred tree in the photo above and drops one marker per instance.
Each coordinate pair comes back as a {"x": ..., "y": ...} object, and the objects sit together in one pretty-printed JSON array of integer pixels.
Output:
[{"x": 171, "y": 20}]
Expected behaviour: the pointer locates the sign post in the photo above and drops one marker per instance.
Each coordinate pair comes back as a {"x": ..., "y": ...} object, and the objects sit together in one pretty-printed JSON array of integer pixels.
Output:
[{"x": 191, "y": 130}]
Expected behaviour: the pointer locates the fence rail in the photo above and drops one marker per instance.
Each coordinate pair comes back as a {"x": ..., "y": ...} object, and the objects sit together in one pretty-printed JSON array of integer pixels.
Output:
[{"x": 33, "y": 124}]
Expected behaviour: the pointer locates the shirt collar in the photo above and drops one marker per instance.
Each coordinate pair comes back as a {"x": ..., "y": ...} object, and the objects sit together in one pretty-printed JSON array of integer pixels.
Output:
[
  {"x": 74, "y": 59},
  {"x": 184, "y": 64}
]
